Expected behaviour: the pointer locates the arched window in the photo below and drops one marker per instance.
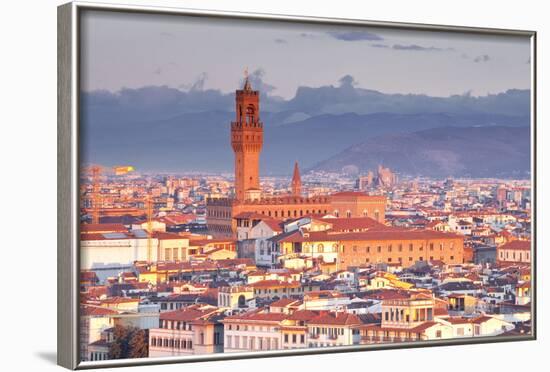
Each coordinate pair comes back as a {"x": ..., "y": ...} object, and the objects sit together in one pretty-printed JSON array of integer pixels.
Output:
[
  {"x": 250, "y": 114},
  {"x": 348, "y": 213},
  {"x": 242, "y": 301},
  {"x": 365, "y": 213}
]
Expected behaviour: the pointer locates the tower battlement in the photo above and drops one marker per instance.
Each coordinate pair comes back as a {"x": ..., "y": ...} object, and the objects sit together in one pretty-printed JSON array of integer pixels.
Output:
[{"x": 237, "y": 125}]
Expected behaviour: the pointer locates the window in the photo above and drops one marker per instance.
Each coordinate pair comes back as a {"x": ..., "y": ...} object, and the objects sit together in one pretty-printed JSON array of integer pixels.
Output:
[
  {"x": 410, "y": 247},
  {"x": 389, "y": 248},
  {"x": 286, "y": 337},
  {"x": 294, "y": 339},
  {"x": 431, "y": 246},
  {"x": 438, "y": 334},
  {"x": 167, "y": 252},
  {"x": 302, "y": 339},
  {"x": 379, "y": 249},
  {"x": 400, "y": 247},
  {"x": 175, "y": 254}
]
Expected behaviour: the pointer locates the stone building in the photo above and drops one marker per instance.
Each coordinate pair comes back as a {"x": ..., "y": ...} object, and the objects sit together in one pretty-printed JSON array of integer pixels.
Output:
[{"x": 247, "y": 141}]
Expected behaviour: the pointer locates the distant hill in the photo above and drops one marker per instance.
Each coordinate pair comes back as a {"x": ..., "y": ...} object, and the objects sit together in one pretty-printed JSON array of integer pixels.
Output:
[
  {"x": 200, "y": 140},
  {"x": 480, "y": 151}
]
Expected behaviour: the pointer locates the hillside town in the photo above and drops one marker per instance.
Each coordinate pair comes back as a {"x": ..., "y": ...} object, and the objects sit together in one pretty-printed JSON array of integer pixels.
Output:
[{"x": 177, "y": 265}]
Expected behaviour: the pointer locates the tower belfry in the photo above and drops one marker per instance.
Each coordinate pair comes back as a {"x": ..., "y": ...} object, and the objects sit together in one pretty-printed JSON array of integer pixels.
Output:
[{"x": 247, "y": 141}]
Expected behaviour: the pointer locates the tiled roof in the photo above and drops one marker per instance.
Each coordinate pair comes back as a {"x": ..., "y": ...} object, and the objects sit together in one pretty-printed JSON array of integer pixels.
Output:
[
  {"x": 259, "y": 316},
  {"x": 274, "y": 283},
  {"x": 96, "y": 311},
  {"x": 382, "y": 234},
  {"x": 188, "y": 314},
  {"x": 336, "y": 319},
  {"x": 524, "y": 245},
  {"x": 102, "y": 227}
]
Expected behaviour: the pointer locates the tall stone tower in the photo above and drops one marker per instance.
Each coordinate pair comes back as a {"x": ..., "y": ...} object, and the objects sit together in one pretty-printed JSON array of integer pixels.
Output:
[
  {"x": 296, "y": 181},
  {"x": 247, "y": 140}
]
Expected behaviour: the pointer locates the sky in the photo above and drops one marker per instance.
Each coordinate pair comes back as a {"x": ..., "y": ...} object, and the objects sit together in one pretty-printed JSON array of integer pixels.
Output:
[{"x": 132, "y": 50}]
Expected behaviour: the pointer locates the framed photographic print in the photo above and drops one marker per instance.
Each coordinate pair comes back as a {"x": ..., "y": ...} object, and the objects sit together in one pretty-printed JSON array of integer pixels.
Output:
[{"x": 236, "y": 185}]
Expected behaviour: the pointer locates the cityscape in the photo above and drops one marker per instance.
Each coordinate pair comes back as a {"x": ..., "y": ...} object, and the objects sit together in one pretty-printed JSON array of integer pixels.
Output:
[
  {"x": 179, "y": 264},
  {"x": 358, "y": 187}
]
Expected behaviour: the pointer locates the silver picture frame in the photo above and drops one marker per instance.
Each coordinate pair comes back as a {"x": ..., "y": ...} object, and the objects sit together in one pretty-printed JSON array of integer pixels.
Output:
[{"x": 68, "y": 27}]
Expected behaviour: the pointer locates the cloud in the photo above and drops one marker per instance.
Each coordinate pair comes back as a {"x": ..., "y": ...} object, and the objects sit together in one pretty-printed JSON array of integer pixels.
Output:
[
  {"x": 418, "y": 48},
  {"x": 197, "y": 85},
  {"x": 257, "y": 82},
  {"x": 347, "y": 81},
  {"x": 379, "y": 46},
  {"x": 354, "y": 35},
  {"x": 281, "y": 41},
  {"x": 200, "y": 81},
  {"x": 483, "y": 58},
  {"x": 308, "y": 35}
]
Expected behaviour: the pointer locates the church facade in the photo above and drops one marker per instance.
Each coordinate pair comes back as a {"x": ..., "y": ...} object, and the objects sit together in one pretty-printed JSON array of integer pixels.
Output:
[{"x": 247, "y": 138}]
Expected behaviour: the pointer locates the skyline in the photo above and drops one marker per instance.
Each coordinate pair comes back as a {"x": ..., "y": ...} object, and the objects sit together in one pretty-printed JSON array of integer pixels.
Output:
[{"x": 419, "y": 62}]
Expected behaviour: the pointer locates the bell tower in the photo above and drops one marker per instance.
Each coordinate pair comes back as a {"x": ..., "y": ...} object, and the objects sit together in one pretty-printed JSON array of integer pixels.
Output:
[
  {"x": 247, "y": 141},
  {"x": 296, "y": 184}
]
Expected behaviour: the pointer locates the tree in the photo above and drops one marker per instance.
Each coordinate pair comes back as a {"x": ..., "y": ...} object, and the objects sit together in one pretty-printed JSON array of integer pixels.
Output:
[
  {"x": 139, "y": 344},
  {"x": 129, "y": 342}
]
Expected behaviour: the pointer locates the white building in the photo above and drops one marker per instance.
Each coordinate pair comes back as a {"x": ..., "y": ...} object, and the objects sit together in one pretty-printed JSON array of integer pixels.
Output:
[
  {"x": 266, "y": 253},
  {"x": 115, "y": 250},
  {"x": 334, "y": 329}
]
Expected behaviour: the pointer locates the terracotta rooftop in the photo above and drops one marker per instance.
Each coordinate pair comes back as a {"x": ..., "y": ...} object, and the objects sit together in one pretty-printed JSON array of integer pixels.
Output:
[
  {"x": 383, "y": 234},
  {"x": 102, "y": 227},
  {"x": 336, "y": 319},
  {"x": 524, "y": 245},
  {"x": 188, "y": 314}
]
